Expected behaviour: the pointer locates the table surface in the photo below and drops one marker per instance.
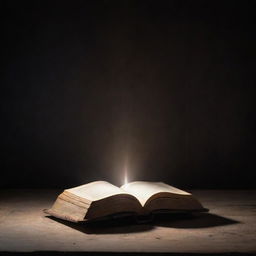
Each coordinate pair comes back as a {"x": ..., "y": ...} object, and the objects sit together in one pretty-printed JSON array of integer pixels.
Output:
[{"x": 229, "y": 227}]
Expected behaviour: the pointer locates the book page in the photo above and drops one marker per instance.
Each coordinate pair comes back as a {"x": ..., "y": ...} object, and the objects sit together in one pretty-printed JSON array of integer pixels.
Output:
[
  {"x": 96, "y": 190},
  {"x": 143, "y": 190}
]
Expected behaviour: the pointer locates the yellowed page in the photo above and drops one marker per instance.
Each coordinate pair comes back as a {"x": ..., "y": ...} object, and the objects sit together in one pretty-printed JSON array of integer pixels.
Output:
[
  {"x": 143, "y": 190},
  {"x": 96, "y": 190}
]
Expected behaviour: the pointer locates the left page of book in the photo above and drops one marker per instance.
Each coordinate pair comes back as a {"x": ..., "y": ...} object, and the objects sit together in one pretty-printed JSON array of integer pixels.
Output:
[{"x": 96, "y": 190}]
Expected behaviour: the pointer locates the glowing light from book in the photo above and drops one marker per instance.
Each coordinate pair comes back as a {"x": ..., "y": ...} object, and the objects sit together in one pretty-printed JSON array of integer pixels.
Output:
[{"x": 125, "y": 175}]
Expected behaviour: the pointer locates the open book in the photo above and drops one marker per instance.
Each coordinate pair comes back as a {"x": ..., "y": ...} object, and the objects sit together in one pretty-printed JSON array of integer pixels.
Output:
[{"x": 100, "y": 198}]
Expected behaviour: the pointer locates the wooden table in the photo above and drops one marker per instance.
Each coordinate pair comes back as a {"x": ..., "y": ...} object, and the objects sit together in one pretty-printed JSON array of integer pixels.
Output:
[{"x": 229, "y": 227}]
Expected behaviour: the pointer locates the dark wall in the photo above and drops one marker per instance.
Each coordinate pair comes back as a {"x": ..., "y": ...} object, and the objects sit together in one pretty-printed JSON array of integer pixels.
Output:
[{"x": 164, "y": 89}]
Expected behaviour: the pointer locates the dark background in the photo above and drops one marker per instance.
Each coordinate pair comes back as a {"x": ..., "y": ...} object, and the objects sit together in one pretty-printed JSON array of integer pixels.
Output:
[{"x": 164, "y": 89}]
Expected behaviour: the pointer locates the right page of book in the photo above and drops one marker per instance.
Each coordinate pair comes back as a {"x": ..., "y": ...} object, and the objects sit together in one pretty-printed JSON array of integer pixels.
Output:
[{"x": 143, "y": 190}]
